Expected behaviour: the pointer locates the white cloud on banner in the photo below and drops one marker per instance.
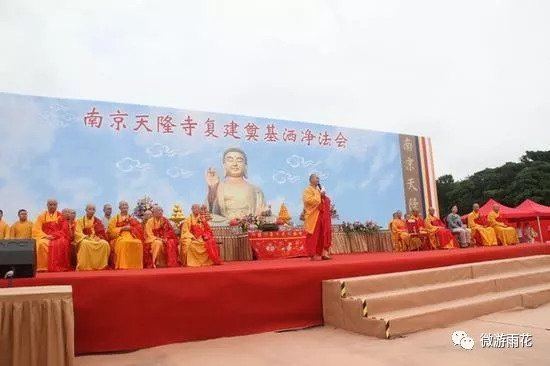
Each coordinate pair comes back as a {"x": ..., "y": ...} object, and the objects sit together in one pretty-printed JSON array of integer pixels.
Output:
[
  {"x": 282, "y": 177},
  {"x": 176, "y": 172},
  {"x": 128, "y": 165},
  {"x": 297, "y": 161},
  {"x": 158, "y": 150}
]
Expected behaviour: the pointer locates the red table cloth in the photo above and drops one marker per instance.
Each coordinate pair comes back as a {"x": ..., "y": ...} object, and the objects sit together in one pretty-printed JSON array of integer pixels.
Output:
[{"x": 278, "y": 244}]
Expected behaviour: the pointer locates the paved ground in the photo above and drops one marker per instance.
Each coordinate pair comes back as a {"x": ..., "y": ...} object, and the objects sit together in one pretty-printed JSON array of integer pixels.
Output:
[{"x": 335, "y": 347}]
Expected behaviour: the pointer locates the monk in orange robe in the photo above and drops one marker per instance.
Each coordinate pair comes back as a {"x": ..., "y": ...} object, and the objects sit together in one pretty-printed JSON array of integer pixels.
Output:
[
  {"x": 22, "y": 229},
  {"x": 198, "y": 247},
  {"x": 4, "y": 228},
  {"x": 126, "y": 236},
  {"x": 506, "y": 235},
  {"x": 421, "y": 240},
  {"x": 399, "y": 233},
  {"x": 90, "y": 240},
  {"x": 482, "y": 234},
  {"x": 317, "y": 220},
  {"x": 147, "y": 256},
  {"x": 162, "y": 239},
  {"x": 440, "y": 237},
  {"x": 52, "y": 236}
]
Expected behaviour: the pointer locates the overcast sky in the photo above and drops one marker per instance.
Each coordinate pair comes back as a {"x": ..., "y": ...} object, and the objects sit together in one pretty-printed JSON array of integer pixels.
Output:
[{"x": 472, "y": 75}]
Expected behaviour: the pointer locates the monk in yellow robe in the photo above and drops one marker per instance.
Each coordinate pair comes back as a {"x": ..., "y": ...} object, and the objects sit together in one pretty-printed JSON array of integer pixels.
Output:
[
  {"x": 4, "y": 228},
  {"x": 506, "y": 235},
  {"x": 90, "y": 239},
  {"x": 399, "y": 234},
  {"x": 440, "y": 237},
  {"x": 22, "y": 229},
  {"x": 160, "y": 236},
  {"x": 317, "y": 220},
  {"x": 126, "y": 236},
  {"x": 482, "y": 234},
  {"x": 52, "y": 235},
  {"x": 197, "y": 245}
]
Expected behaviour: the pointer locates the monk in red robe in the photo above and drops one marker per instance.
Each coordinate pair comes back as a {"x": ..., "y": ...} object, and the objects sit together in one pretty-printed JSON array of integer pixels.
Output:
[
  {"x": 440, "y": 237},
  {"x": 317, "y": 221},
  {"x": 198, "y": 246},
  {"x": 52, "y": 236},
  {"x": 162, "y": 239}
]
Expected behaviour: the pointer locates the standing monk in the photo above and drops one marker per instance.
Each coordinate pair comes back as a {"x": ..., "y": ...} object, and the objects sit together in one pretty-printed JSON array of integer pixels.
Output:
[
  {"x": 52, "y": 235},
  {"x": 482, "y": 234},
  {"x": 4, "y": 228},
  {"x": 506, "y": 235},
  {"x": 163, "y": 242},
  {"x": 22, "y": 229},
  {"x": 126, "y": 235},
  {"x": 92, "y": 248},
  {"x": 198, "y": 247},
  {"x": 400, "y": 236},
  {"x": 440, "y": 237},
  {"x": 317, "y": 220}
]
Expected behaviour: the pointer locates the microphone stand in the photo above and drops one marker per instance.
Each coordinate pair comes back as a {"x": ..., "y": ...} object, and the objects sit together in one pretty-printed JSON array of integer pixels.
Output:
[{"x": 9, "y": 276}]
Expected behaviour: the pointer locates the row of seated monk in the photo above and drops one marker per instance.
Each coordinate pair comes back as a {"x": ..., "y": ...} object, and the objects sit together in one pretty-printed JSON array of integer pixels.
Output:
[
  {"x": 414, "y": 232},
  {"x": 64, "y": 243}
]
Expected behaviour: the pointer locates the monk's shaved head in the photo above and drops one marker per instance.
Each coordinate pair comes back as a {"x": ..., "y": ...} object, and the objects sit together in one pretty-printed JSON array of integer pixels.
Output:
[
  {"x": 90, "y": 210},
  {"x": 52, "y": 205}
]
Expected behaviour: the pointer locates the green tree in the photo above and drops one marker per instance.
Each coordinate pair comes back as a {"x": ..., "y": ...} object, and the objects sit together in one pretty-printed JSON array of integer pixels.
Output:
[{"x": 509, "y": 184}]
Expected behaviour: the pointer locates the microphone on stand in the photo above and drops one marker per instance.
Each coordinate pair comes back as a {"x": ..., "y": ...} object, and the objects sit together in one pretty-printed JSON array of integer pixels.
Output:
[{"x": 9, "y": 276}]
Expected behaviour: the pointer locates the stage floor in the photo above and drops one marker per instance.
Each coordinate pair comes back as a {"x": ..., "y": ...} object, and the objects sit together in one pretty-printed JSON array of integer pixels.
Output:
[{"x": 132, "y": 309}]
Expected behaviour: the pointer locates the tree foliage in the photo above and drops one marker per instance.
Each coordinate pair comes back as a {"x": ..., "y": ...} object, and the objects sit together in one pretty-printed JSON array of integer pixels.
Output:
[{"x": 509, "y": 184}]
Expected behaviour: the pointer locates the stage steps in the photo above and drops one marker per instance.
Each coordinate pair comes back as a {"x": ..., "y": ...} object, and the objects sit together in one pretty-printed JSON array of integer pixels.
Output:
[{"x": 395, "y": 304}]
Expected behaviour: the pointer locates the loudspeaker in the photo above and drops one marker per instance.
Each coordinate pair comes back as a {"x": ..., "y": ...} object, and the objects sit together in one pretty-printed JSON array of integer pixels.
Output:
[{"x": 18, "y": 255}]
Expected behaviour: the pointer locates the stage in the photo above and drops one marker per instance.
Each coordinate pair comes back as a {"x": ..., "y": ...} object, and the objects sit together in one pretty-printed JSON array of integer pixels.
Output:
[{"x": 132, "y": 309}]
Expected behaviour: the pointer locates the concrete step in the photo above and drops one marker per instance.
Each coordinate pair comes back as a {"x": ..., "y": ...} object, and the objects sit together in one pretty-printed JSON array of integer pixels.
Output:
[
  {"x": 443, "y": 314},
  {"x": 387, "y": 301},
  {"x": 401, "y": 280}
]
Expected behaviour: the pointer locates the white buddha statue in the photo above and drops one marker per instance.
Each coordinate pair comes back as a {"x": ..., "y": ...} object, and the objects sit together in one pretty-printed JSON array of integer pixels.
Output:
[{"x": 235, "y": 197}]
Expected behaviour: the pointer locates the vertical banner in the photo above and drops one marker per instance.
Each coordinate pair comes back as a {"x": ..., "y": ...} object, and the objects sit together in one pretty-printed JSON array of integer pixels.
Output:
[{"x": 412, "y": 178}]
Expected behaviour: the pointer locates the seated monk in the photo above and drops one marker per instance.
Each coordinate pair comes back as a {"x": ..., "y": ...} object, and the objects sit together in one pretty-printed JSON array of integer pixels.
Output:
[
  {"x": 4, "y": 228},
  {"x": 126, "y": 235},
  {"x": 163, "y": 242},
  {"x": 52, "y": 236},
  {"x": 482, "y": 234},
  {"x": 399, "y": 234},
  {"x": 22, "y": 229},
  {"x": 506, "y": 235},
  {"x": 147, "y": 257},
  {"x": 198, "y": 247},
  {"x": 440, "y": 237},
  {"x": 68, "y": 214},
  {"x": 415, "y": 225},
  {"x": 90, "y": 240}
]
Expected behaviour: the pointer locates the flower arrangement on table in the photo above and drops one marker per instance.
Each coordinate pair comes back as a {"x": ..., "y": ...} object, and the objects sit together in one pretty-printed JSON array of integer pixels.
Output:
[
  {"x": 253, "y": 222},
  {"x": 359, "y": 227},
  {"x": 142, "y": 205},
  {"x": 246, "y": 223}
]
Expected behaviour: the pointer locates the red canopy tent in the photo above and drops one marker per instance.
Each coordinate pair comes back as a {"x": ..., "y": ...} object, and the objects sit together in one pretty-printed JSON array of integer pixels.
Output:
[
  {"x": 484, "y": 210},
  {"x": 529, "y": 210}
]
